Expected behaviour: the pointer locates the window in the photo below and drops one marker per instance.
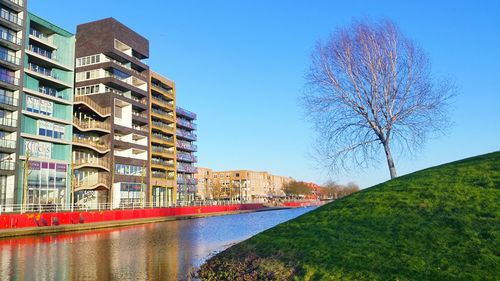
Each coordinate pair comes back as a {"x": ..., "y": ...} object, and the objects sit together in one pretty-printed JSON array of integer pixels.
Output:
[
  {"x": 129, "y": 170},
  {"x": 87, "y": 75},
  {"x": 94, "y": 59},
  {"x": 46, "y": 182},
  {"x": 39, "y": 106},
  {"x": 87, "y": 90},
  {"x": 50, "y": 129}
]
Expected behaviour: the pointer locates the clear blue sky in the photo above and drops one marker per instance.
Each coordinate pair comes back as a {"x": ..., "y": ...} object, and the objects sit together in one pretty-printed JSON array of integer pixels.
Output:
[{"x": 240, "y": 66}]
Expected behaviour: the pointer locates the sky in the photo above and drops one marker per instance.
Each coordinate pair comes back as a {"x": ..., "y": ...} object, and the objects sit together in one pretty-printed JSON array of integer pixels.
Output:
[{"x": 240, "y": 66}]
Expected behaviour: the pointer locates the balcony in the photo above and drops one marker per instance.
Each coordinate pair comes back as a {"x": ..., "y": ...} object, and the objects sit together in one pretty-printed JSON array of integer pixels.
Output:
[
  {"x": 186, "y": 135},
  {"x": 42, "y": 52},
  {"x": 42, "y": 70},
  {"x": 186, "y": 157},
  {"x": 186, "y": 124},
  {"x": 186, "y": 181},
  {"x": 9, "y": 59},
  {"x": 90, "y": 103},
  {"x": 130, "y": 80},
  {"x": 9, "y": 144},
  {"x": 88, "y": 125},
  {"x": 7, "y": 165},
  {"x": 185, "y": 113},
  {"x": 93, "y": 181},
  {"x": 163, "y": 138},
  {"x": 8, "y": 122},
  {"x": 6, "y": 100},
  {"x": 159, "y": 149},
  {"x": 10, "y": 39},
  {"x": 11, "y": 19},
  {"x": 187, "y": 146},
  {"x": 16, "y": 5},
  {"x": 161, "y": 162},
  {"x": 162, "y": 102},
  {"x": 157, "y": 174},
  {"x": 184, "y": 168},
  {"x": 102, "y": 162},
  {"x": 98, "y": 144},
  {"x": 42, "y": 38}
]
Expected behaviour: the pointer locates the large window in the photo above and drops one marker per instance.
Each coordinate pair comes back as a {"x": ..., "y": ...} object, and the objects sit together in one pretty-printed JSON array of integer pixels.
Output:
[
  {"x": 93, "y": 89},
  {"x": 88, "y": 60},
  {"x": 131, "y": 193},
  {"x": 87, "y": 75},
  {"x": 50, "y": 129},
  {"x": 46, "y": 182},
  {"x": 40, "y": 106},
  {"x": 129, "y": 170}
]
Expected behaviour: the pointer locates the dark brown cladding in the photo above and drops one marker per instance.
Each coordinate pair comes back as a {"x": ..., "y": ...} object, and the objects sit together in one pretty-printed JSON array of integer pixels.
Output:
[{"x": 98, "y": 37}]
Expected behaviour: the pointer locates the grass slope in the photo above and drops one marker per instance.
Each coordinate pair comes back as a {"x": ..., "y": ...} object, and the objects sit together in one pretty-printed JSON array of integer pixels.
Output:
[{"x": 442, "y": 223}]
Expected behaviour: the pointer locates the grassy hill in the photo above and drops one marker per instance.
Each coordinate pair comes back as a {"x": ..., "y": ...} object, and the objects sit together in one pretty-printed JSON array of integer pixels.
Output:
[{"x": 442, "y": 223}]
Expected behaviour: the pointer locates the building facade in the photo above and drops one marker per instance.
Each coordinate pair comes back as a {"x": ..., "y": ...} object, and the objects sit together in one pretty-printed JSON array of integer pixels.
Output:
[
  {"x": 46, "y": 114},
  {"x": 111, "y": 115},
  {"x": 12, "y": 41},
  {"x": 163, "y": 189},
  {"x": 239, "y": 184},
  {"x": 185, "y": 134},
  {"x": 204, "y": 185}
]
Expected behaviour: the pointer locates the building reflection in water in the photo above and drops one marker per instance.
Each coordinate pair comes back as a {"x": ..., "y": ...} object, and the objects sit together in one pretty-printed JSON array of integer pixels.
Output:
[{"x": 160, "y": 251}]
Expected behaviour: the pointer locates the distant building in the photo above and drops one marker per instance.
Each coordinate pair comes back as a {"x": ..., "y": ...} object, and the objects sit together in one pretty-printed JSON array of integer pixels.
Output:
[
  {"x": 185, "y": 138},
  {"x": 239, "y": 184}
]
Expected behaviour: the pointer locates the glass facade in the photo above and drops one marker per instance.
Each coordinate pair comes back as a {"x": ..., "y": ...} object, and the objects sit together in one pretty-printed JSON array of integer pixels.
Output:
[
  {"x": 131, "y": 193},
  {"x": 46, "y": 183}
]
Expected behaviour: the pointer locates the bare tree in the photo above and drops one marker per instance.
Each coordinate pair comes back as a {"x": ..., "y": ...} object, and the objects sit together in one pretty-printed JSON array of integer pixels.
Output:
[{"x": 370, "y": 87}]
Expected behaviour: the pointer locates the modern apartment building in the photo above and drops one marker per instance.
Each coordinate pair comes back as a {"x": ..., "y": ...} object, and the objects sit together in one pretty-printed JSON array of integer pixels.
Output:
[
  {"x": 111, "y": 115},
  {"x": 239, "y": 184},
  {"x": 46, "y": 114},
  {"x": 12, "y": 37},
  {"x": 186, "y": 181},
  {"x": 162, "y": 140}
]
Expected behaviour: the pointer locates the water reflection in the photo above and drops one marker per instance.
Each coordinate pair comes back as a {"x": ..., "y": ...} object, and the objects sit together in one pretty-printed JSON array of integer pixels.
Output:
[{"x": 160, "y": 251}]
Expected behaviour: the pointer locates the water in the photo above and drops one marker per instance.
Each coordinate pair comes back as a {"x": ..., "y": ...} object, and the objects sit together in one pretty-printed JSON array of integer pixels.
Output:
[{"x": 156, "y": 251}]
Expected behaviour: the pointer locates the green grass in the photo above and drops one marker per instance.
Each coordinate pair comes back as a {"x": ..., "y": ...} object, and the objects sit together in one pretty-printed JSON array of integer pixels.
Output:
[{"x": 442, "y": 223}]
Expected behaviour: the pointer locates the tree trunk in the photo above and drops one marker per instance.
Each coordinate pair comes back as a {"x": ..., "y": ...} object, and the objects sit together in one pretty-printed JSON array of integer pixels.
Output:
[{"x": 390, "y": 161}]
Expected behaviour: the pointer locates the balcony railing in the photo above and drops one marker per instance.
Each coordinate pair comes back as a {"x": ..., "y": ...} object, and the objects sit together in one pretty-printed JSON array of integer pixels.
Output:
[
  {"x": 7, "y": 165},
  {"x": 93, "y": 181},
  {"x": 160, "y": 149},
  {"x": 162, "y": 137},
  {"x": 11, "y": 17},
  {"x": 186, "y": 145},
  {"x": 91, "y": 124},
  {"x": 10, "y": 122},
  {"x": 185, "y": 123},
  {"x": 99, "y": 109},
  {"x": 162, "y": 162},
  {"x": 93, "y": 161},
  {"x": 9, "y": 58},
  {"x": 186, "y": 134},
  {"x": 142, "y": 115},
  {"x": 42, "y": 70},
  {"x": 42, "y": 52},
  {"x": 186, "y": 157},
  {"x": 9, "y": 79},
  {"x": 7, "y": 143},
  {"x": 190, "y": 181},
  {"x": 8, "y": 100},
  {"x": 155, "y": 174},
  {"x": 186, "y": 168},
  {"x": 186, "y": 113},
  {"x": 4, "y": 35},
  {"x": 96, "y": 143}
]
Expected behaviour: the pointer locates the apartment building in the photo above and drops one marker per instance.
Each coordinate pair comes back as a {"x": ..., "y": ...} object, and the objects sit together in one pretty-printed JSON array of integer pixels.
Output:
[
  {"x": 111, "y": 115},
  {"x": 239, "y": 184},
  {"x": 204, "y": 186},
  {"x": 12, "y": 37},
  {"x": 162, "y": 140},
  {"x": 46, "y": 114},
  {"x": 186, "y": 181}
]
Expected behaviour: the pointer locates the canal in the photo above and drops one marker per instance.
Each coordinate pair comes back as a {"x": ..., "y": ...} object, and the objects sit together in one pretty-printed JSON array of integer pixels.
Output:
[{"x": 156, "y": 251}]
